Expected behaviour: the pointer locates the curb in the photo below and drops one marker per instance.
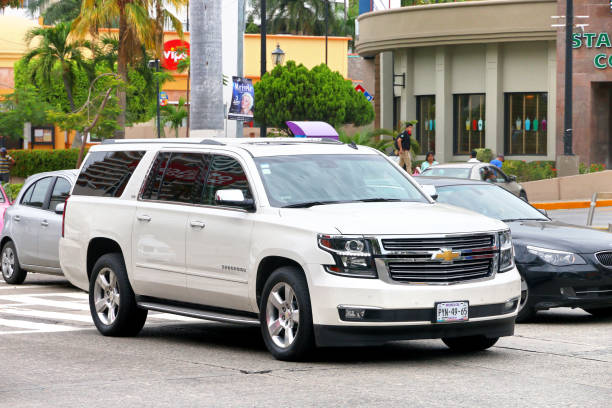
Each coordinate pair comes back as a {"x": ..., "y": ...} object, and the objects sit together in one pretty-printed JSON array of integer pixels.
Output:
[{"x": 570, "y": 205}]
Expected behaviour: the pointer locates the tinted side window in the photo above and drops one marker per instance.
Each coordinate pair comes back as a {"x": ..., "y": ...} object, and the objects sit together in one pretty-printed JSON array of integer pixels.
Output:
[
  {"x": 37, "y": 193},
  {"x": 60, "y": 192},
  {"x": 105, "y": 174},
  {"x": 225, "y": 173},
  {"x": 182, "y": 178}
]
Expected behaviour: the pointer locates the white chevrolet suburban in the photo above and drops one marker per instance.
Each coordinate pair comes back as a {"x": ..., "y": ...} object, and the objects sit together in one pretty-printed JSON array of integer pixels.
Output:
[{"x": 318, "y": 242}]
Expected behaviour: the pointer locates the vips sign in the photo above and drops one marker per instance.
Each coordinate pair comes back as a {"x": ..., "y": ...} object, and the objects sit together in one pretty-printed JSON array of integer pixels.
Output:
[
  {"x": 243, "y": 100},
  {"x": 600, "y": 41},
  {"x": 174, "y": 51}
]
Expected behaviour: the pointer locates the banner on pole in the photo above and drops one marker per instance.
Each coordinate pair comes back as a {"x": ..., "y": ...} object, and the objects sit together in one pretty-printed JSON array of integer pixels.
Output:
[{"x": 243, "y": 100}]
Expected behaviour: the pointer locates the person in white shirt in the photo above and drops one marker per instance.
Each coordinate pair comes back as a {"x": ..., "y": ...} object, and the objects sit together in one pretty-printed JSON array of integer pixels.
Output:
[{"x": 473, "y": 158}]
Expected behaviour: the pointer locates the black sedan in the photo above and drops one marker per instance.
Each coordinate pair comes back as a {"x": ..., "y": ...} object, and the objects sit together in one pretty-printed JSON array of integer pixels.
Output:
[{"x": 562, "y": 265}]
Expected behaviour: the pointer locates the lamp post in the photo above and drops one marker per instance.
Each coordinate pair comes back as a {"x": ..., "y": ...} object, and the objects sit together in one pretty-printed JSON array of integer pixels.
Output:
[
  {"x": 155, "y": 64},
  {"x": 278, "y": 55},
  {"x": 567, "y": 122},
  {"x": 326, "y": 28},
  {"x": 262, "y": 129}
]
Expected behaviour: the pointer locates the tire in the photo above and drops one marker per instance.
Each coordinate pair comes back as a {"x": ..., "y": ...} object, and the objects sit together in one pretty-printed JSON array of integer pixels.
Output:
[
  {"x": 11, "y": 270},
  {"x": 117, "y": 314},
  {"x": 470, "y": 343},
  {"x": 526, "y": 311},
  {"x": 285, "y": 337},
  {"x": 601, "y": 312},
  {"x": 523, "y": 196}
]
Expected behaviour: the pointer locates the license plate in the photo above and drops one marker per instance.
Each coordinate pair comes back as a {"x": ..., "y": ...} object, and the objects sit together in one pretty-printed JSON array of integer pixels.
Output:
[{"x": 452, "y": 311}]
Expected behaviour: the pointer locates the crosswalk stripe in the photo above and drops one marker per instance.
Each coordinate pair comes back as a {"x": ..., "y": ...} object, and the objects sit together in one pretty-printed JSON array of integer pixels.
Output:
[
  {"x": 38, "y": 327},
  {"x": 42, "y": 314}
]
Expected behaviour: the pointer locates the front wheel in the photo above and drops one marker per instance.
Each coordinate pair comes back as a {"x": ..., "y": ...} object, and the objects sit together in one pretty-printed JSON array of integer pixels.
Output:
[
  {"x": 601, "y": 312},
  {"x": 470, "y": 343},
  {"x": 111, "y": 299},
  {"x": 11, "y": 270},
  {"x": 526, "y": 310},
  {"x": 286, "y": 315}
]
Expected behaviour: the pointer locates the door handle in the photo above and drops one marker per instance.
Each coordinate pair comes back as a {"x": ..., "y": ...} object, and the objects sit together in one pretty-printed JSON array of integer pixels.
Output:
[
  {"x": 144, "y": 217},
  {"x": 44, "y": 223},
  {"x": 197, "y": 224},
  {"x": 17, "y": 218}
]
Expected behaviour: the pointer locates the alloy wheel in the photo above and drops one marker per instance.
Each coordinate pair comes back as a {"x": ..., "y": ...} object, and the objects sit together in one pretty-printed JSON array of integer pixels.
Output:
[
  {"x": 524, "y": 294},
  {"x": 8, "y": 262},
  {"x": 282, "y": 315},
  {"x": 106, "y": 296}
]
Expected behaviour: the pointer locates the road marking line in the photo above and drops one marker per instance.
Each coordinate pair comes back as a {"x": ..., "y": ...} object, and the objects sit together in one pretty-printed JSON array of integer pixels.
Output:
[
  {"x": 48, "y": 315},
  {"x": 29, "y": 300},
  {"x": 36, "y": 327},
  {"x": 4, "y": 287}
]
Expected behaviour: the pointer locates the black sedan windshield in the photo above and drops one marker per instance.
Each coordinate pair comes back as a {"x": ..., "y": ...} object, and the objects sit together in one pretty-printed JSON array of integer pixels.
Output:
[
  {"x": 492, "y": 201},
  {"x": 306, "y": 180}
]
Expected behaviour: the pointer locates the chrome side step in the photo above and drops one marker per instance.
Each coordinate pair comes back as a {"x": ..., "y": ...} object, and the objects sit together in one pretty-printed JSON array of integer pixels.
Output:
[{"x": 199, "y": 314}]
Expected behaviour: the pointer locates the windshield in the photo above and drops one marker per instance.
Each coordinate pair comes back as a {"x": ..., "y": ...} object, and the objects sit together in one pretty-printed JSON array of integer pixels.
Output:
[
  {"x": 455, "y": 172},
  {"x": 492, "y": 201},
  {"x": 323, "y": 179}
]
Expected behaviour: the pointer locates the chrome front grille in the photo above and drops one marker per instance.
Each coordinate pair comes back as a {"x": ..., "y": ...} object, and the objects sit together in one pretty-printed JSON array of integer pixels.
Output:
[
  {"x": 433, "y": 244},
  {"x": 415, "y": 260},
  {"x": 604, "y": 258}
]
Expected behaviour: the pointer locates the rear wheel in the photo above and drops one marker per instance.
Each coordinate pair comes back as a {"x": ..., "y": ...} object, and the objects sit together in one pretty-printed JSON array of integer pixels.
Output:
[
  {"x": 602, "y": 312},
  {"x": 470, "y": 343},
  {"x": 286, "y": 315},
  {"x": 526, "y": 310},
  {"x": 523, "y": 196},
  {"x": 11, "y": 270},
  {"x": 111, "y": 299}
]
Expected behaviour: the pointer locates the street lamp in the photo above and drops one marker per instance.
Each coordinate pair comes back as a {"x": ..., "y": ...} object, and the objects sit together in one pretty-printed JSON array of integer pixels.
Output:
[
  {"x": 155, "y": 64},
  {"x": 278, "y": 55}
]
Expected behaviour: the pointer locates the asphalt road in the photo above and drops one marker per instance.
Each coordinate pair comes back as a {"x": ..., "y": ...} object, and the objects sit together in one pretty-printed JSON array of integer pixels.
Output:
[
  {"x": 601, "y": 218},
  {"x": 52, "y": 356}
]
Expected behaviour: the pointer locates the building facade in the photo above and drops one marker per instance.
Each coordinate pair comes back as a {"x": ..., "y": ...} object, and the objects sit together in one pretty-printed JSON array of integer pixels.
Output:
[{"x": 488, "y": 74}]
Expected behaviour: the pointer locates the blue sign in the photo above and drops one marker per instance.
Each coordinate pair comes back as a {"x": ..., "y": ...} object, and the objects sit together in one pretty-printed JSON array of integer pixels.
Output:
[
  {"x": 243, "y": 99},
  {"x": 163, "y": 98},
  {"x": 368, "y": 96}
]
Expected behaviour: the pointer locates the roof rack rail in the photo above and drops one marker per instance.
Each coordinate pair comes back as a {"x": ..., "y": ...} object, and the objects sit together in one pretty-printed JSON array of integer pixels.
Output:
[
  {"x": 164, "y": 140},
  {"x": 212, "y": 142}
]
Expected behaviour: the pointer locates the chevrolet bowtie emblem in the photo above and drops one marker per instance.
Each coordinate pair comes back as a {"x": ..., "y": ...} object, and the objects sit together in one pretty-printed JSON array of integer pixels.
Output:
[{"x": 446, "y": 255}]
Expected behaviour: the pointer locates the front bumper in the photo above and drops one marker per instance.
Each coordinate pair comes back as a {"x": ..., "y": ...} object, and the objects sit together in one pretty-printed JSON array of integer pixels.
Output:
[
  {"x": 399, "y": 311},
  {"x": 583, "y": 286}
]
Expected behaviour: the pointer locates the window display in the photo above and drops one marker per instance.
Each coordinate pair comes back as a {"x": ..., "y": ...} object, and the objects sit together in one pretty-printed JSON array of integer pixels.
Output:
[
  {"x": 470, "y": 123},
  {"x": 525, "y": 124},
  {"x": 426, "y": 126}
]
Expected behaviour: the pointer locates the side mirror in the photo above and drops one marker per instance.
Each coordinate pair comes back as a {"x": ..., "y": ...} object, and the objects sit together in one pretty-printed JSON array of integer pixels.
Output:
[
  {"x": 543, "y": 211},
  {"x": 59, "y": 209},
  {"x": 512, "y": 178},
  {"x": 431, "y": 191},
  {"x": 234, "y": 198}
]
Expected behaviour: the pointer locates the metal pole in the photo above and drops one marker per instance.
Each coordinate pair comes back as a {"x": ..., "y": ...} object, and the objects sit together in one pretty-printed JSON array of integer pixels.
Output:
[
  {"x": 567, "y": 123},
  {"x": 239, "y": 59},
  {"x": 263, "y": 130},
  {"x": 158, "y": 112},
  {"x": 326, "y": 29}
]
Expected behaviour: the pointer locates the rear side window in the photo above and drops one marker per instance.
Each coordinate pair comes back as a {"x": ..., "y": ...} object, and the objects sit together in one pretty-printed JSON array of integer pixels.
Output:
[
  {"x": 105, "y": 174},
  {"x": 225, "y": 173},
  {"x": 177, "y": 177},
  {"x": 37, "y": 193},
  {"x": 61, "y": 191}
]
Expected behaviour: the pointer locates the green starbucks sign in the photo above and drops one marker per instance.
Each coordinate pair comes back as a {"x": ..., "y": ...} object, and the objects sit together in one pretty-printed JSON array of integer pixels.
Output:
[{"x": 600, "y": 41}]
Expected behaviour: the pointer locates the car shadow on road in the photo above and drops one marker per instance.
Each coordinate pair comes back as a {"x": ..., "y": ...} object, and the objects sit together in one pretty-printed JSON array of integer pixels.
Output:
[{"x": 559, "y": 317}]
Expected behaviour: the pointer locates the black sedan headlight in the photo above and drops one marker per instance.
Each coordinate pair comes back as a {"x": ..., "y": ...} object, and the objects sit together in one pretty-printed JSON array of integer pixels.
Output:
[
  {"x": 352, "y": 254},
  {"x": 506, "y": 251},
  {"x": 556, "y": 257}
]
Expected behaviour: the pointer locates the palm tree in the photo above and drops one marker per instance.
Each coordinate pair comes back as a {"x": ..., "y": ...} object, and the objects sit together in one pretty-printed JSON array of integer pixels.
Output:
[
  {"x": 174, "y": 115},
  {"x": 206, "y": 72},
  {"x": 56, "y": 12},
  {"x": 53, "y": 51},
  {"x": 137, "y": 32},
  {"x": 300, "y": 17}
]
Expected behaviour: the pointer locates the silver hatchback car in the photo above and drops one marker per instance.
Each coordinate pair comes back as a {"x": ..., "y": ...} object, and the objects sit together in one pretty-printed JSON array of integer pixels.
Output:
[{"x": 33, "y": 226}]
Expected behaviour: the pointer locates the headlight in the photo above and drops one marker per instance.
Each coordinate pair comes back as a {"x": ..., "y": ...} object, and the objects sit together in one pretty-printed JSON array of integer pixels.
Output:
[
  {"x": 556, "y": 257},
  {"x": 506, "y": 251},
  {"x": 353, "y": 256}
]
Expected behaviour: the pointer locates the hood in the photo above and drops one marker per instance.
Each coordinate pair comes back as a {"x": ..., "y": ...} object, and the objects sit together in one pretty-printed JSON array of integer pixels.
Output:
[
  {"x": 561, "y": 236},
  {"x": 392, "y": 218}
]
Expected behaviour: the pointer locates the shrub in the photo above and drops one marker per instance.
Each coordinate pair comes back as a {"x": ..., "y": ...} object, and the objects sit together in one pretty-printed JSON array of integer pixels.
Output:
[
  {"x": 28, "y": 162},
  {"x": 593, "y": 168},
  {"x": 535, "y": 170},
  {"x": 484, "y": 155},
  {"x": 12, "y": 190}
]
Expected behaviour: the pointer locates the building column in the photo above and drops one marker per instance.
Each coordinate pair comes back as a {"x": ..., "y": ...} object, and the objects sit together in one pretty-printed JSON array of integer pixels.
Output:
[
  {"x": 494, "y": 100},
  {"x": 551, "y": 141},
  {"x": 404, "y": 66},
  {"x": 385, "y": 93},
  {"x": 444, "y": 106}
]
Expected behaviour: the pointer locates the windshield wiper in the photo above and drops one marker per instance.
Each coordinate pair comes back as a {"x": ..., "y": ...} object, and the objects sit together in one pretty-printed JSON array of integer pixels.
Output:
[
  {"x": 525, "y": 219},
  {"x": 310, "y": 204},
  {"x": 378, "y": 199}
]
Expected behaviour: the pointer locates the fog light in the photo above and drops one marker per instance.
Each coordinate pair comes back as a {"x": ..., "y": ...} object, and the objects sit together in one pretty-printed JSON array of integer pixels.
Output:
[
  {"x": 569, "y": 291},
  {"x": 510, "y": 305},
  {"x": 354, "y": 314}
]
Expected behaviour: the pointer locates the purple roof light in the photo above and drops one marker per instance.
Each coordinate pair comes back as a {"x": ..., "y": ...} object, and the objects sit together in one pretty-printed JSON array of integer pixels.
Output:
[{"x": 312, "y": 129}]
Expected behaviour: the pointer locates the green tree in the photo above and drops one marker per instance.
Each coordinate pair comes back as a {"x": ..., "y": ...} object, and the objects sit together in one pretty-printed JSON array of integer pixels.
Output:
[
  {"x": 293, "y": 92},
  {"x": 174, "y": 115},
  {"x": 24, "y": 105},
  {"x": 10, "y": 3},
  {"x": 56, "y": 12},
  {"x": 54, "y": 52}
]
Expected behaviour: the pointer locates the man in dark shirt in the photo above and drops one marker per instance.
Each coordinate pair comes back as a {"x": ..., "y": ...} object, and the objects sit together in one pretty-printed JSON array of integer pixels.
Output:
[
  {"x": 403, "y": 146},
  {"x": 6, "y": 162}
]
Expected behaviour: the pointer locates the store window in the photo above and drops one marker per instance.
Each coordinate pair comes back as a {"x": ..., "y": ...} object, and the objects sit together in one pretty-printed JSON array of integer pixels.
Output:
[
  {"x": 469, "y": 123},
  {"x": 526, "y": 123},
  {"x": 426, "y": 127}
]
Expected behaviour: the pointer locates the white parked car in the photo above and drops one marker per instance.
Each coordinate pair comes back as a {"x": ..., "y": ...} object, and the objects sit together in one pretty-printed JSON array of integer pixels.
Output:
[{"x": 319, "y": 242}]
